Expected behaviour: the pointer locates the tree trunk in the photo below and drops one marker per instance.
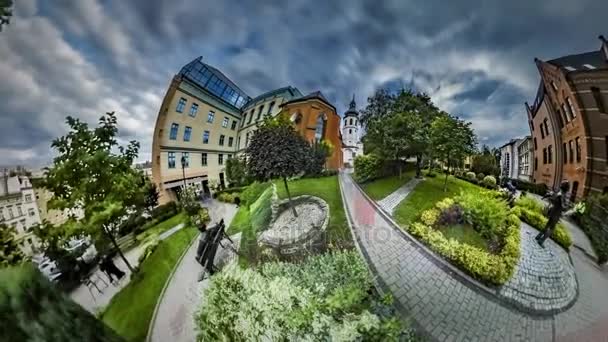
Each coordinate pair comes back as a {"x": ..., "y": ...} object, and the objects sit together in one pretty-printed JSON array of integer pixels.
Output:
[
  {"x": 418, "y": 165},
  {"x": 122, "y": 256},
  {"x": 445, "y": 183},
  {"x": 400, "y": 169},
  {"x": 293, "y": 208}
]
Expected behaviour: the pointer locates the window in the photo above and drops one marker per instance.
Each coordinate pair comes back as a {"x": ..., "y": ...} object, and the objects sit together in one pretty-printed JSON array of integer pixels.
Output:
[
  {"x": 204, "y": 159},
  {"x": 560, "y": 121},
  {"x": 597, "y": 96},
  {"x": 571, "y": 151},
  {"x": 210, "y": 116},
  {"x": 230, "y": 141},
  {"x": 220, "y": 159},
  {"x": 244, "y": 118},
  {"x": 535, "y": 163},
  {"x": 171, "y": 160},
  {"x": 259, "y": 113},
  {"x": 553, "y": 85},
  {"x": 28, "y": 198},
  {"x": 247, "y": 139},
  {"x": 546, "y": 126},
  {"x": 185, "y": 159},
  {"x": 250, "y": 117},
  {"x": 222, "y": 140},
  {"x": 233, "y": 127},
  {"x": 205, "y": 137},
  {"x": 571, "y": 106},
  {"x": 550, "y": 154},
  {"x": 173, "y": 133},
  {"x": 535, "y": 145},
  {"x": 19, "y": 210},
  {"x": 10, "y": 213},
  {"x": 187, "y": 133},
  {"x": 181, "y": 104},
  {"x": 351, "y": 121},
  {"x": 225, "y": 122},
  {"x": 270, "y": 107},
  {"x": 544, "y": 156},
  {"x": 320, "y": 128},
  {"x": 565, "y": 152},
  {"x": 578, "y": 149},
  {"x": 31, "y": 212},
  {"x": 542, "y": 131},
  {"x": 229, "y": 156},
  {"x": 350, "y": 131},
  {"x": 589, "y": 66},
  {"x": 567, "y": 113},
  {"x": 193, "y": 110}
]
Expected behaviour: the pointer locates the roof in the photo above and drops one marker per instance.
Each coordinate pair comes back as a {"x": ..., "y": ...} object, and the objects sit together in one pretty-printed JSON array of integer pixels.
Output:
[
  {"x": 352, "y": 108},
  {"x": 577, "y": 62},
  {"x": 317, "y": 95},
  {"x": 215, "y": 82},
  {"x": 511, "y": 142},
  {"x": 292, "y": 91},
  {"x": 9, "y": 185}
]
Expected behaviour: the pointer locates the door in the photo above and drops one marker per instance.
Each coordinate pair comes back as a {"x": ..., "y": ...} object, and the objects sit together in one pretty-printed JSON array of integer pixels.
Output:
[{"x": 574, "y": 190}]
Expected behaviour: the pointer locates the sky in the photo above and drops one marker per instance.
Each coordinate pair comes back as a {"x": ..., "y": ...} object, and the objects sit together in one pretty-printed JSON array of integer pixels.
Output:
[{"x": 87, "y": 57}]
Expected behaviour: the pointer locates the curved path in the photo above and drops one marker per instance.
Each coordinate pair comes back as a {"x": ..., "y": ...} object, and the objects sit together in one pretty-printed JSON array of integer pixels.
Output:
[{"x": 445, "y": 308}]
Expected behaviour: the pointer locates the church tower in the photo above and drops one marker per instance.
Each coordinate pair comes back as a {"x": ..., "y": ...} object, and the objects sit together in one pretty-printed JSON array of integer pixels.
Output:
[{"x": 350, "y": 130}]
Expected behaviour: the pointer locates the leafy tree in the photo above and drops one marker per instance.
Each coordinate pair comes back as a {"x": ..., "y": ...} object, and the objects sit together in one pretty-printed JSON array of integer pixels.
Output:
[
  {"x": 236, "y": 171},
  {"x": 188, "y": 202},
  {"x": 276, "y": 150},
  {"x": 94, "y": 173},
  {"x": 10, "y": 252},
  {"x": 6, "y": 12},
  {"x": 317, "y": 157},
  {"x": 150, "y": 196},
  {"x": 451, "y": 139},
  {"x": 485, "y": 162}
]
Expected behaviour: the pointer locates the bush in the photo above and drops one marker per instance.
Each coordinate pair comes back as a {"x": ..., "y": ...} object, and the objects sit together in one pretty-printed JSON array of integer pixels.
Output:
[
  {"x": 253, "y": 191},
  {"x": 368, "y": 167},
  {"x": 539, "y": 189},
  {"x": 484, "y": 212},
  {"x": 471, "y": 175},
  {"x": 480, "y": 176},
  {"x": 231, "y": 190},
  {"x": 163, "y": 212},
  {"x": 489, "y": 181},
  {"x": 328, "y": 297},
  {"x": 227, "y": 197},
  {"x": 149, "y": 250},
  {"x": 33, "y": 309}
]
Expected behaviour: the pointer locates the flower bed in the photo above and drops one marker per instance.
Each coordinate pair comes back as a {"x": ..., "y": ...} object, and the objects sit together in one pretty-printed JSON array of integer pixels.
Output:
[
  {"x": 326, "y": 297},
  {"x": 489, "y": 217},
  {"x": 531, "y": 212}
]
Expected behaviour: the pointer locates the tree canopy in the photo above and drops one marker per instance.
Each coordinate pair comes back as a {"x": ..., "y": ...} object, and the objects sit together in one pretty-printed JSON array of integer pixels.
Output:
[{"x": 10, "y": 252}]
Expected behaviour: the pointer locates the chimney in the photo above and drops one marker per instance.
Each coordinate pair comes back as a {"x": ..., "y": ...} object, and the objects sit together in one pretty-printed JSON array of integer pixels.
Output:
[{"x": 604, "y": 47}]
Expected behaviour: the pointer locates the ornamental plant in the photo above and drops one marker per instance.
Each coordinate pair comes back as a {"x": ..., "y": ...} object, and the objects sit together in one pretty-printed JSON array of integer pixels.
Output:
[
  {"x": 470, "y": 175},
  {"x": 489, "y": 181}
]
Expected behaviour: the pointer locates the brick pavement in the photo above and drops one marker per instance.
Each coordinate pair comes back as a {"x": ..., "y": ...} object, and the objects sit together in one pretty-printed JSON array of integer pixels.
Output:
[
  {"x": 390, "y": 202},
  {"x": 443, "y": 307}
]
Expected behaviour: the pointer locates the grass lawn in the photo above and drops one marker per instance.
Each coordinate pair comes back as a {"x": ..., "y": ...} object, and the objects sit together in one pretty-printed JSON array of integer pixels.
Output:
[
  {"x": 328, "y": 189},
  {"x": 161, "y": 227},
  {"x": 426, "y": 194},
  {"x": 465, "y": 234},
  {"x": 130, "y": 311},
  {"x": 380, "y": 188}
]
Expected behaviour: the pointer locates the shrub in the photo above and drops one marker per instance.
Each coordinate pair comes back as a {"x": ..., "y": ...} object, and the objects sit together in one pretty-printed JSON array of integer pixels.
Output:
[
  {"x": 539, "y": 189},
  {"x": 480, "y": 176},
  {"x": 368, "y": 167},
  {"x": 485, "y": 213},
  {"x": 489, "y": 181},
  {"x": 325, "y": 298},
  {"x": 429, "y": 217},
  {"x": 149, "y": 250},
  {"x": 451, "y": 216},
  {"x": 162, "y": 212},
  {"x": 253, "y": 191},
  {"x": 227, "y": 197},
  {"x": 530, "y": 204},
  {"x": 470, "y": 175}
]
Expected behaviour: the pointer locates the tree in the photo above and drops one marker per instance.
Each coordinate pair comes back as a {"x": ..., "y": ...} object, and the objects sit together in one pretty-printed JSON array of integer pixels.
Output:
[
  {"x": 93, "y": 173},
  {"x": 6, "y": 12},
  {"x": 485, "y": 162},
  {"x": 150, "y": 196},
  {"x": 236, "y": 171},
  {"x": 276, "y": 150},
  {"x": 10, "y": 252},
  {"x": 317, "y": 156},
  {"x": 451, "y": 139}
]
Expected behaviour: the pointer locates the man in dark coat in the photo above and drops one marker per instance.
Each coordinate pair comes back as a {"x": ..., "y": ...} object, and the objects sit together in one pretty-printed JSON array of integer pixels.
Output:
[
  {"x": 108, "y": 266},
  {"x": 556, "y": 200}
]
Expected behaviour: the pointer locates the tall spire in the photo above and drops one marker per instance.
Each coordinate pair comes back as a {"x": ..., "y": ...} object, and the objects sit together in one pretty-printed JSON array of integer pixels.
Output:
[{"x": 352, "y": 105}]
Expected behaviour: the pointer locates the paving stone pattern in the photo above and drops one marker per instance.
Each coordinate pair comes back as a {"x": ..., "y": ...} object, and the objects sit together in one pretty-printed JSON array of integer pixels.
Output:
[
  {"x": 444, "y": 308},
  {"x": 544, "y": 280},
  {"x": 390, "y": 202}
]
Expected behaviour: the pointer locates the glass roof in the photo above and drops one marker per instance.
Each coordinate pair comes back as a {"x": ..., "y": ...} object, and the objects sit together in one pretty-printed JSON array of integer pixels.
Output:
[{"x": 215, "y": 82}]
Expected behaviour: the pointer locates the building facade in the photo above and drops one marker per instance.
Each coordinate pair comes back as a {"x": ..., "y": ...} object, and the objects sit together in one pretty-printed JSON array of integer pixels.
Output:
[
  {"x": 524, "y": 159},
  {"x": 18, "y": 209},
  {"x": 509, "y": 160},
  {"x": 353, "y": 146},
  {"x": 569, "y": 122},
  {"x": 53, "y": 216},
  {"x": 205, "y": 119}
]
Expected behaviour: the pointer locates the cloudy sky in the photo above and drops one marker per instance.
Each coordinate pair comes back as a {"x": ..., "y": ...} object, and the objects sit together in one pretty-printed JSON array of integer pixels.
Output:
[{"x": 86, "y": 57}]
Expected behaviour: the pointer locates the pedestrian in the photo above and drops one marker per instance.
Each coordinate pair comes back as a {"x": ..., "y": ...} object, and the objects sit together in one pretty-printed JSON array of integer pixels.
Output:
[
  {"x": 512, "y": 191},
  {"x": 556, "y": 200},
  {"x": 108, "y": 266},
  {"x": 237, "y": 201}
]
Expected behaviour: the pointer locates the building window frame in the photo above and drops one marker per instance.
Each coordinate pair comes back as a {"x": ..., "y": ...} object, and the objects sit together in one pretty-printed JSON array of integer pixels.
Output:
[
  {"x": 230, "y": 141},
  {"x": 220, "y": 159},
  {"x": 187, "y": 133},
  {"x": 250, "y": 116},
  {"x": 181, "y": 104},
  {"x": 171, "y": 160},
  {"x": 544, "y": 156},
  {"x": 210, "y": 116},
  {"x": 225, "y": 122},
  {"x": 270, "y": 108},
  {"x": 206, "y": 137},
  {"x": 577, "y": 145},
  {"x": 571, "y": 106},
  {"x": 221, "y": 140},
  {"x": 203, "y": 159},
  {"x": 550, "y": 154},
  {"x": 542, "y": 131},
  {"x": 233, "y": 126},
  {"x": 174, "y": 130},
  {"x": 193, "y": 110},
  {"x": 566, "y": 113},
  {"x": 320, "y": 127},
  {"x": 186, "y": 159},
  {"x": 260, "y": 110},
  {"x": 571, "y": 151}
]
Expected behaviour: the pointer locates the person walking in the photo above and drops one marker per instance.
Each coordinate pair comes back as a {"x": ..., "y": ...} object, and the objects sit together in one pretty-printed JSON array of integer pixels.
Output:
[
  {"x": 107, "y": 265},
  {"x": 556, "y": 201}
]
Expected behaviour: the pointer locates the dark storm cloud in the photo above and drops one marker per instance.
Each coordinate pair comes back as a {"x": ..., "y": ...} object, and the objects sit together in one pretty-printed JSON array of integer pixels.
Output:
[{"x": 86, "y": 57}]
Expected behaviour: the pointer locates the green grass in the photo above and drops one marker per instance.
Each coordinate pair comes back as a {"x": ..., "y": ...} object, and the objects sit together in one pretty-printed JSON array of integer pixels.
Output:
[
  {"x": 426, "y": 194},
  {"x": 130, "y": 310},
  {"x": 465, "y": 234},
  {"x": 161, "y": 227},
  {"x": 380, "y": 188},
  {"x": 328, "y": 189}
]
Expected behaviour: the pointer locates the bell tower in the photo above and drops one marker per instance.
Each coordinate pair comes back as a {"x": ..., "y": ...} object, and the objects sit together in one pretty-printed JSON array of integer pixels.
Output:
[{"x": 350, "y": 130}]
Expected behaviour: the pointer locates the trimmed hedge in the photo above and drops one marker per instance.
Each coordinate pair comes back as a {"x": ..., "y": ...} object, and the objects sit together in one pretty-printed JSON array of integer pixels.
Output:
[
  {"x": 539, "y": 189},
  {"x": 33, "y": 309},
  {"x": 489, "y": 181},
  {"x": 531, "y": 212},
  {"x": 368, "y": 167}
]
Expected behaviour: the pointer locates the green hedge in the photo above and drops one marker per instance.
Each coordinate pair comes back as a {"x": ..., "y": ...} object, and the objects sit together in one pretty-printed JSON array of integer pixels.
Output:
[
  {"x": 539, "y": 189},
  {"x": 33, "y": 309},
  {"x": 534, "y": 217},
  {"x": 368, "y": 167}
]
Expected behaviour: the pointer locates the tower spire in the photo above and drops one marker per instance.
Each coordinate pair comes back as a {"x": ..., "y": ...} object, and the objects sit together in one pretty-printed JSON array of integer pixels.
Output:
[{"x": 352, "y": 105}]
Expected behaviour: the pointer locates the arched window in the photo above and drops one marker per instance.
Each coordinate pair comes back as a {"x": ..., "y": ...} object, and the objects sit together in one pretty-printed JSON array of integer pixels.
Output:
[
  {"x": 320, "y": 128},
  {"x": 351, "y": 121},
  {"x": 350, "y": 131},
  {"x": 296, "y": 118}
]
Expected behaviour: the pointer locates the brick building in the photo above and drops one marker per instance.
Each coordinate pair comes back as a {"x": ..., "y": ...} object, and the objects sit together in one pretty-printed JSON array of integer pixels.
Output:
[{"x": 569, "y": 122}]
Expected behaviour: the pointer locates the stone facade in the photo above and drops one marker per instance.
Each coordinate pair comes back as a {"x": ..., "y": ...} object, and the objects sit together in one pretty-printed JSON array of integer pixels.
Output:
[{"x": 18, "y": 209}]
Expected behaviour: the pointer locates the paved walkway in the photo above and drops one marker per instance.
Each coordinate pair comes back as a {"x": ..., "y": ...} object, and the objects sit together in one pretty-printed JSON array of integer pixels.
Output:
[
  {"x": 390, "y": 202},
  {"x": 174, "y": 321},
  {"x": 98, "y": 301},
  {"x": 444, "y": 308}
]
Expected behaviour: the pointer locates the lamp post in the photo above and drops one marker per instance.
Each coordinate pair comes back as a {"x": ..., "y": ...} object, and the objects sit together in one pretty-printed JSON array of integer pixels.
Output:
[{"x": 184, "y": 171}]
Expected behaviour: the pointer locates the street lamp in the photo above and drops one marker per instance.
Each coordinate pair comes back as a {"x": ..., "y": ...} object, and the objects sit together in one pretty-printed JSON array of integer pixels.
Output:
[{"x": 184, "y": 171}]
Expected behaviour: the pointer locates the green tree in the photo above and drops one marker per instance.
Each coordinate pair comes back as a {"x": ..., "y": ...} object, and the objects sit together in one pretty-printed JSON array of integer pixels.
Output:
[
  {"x": 10, "y": 252},
  {"x": 485, "y": 162},
  {"x": 236, "y": 171},
  {"x": 317, "y": 157},
  {"x": 6, "y": 12},
  {"x": 94, "y": 173},
  {"x": 451, "y": 139},
  {"x": 150, "y": 196},
  {"x": 276, "y": 150}
]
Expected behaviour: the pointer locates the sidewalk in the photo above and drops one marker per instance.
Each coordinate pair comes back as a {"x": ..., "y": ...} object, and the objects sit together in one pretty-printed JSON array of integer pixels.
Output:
[{"x": 444, "y": 308}]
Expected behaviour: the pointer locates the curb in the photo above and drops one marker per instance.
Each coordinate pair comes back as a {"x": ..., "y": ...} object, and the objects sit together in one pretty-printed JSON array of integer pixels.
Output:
[{"x": 162, "y": 292}]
